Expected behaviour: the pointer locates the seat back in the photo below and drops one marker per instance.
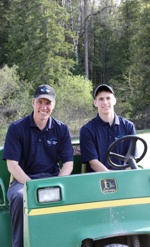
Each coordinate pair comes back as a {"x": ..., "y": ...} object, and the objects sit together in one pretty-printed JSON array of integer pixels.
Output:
[
  {"x": 77, "y": 168},
  {"x": 76, "y": 158},
  {"x": 4, "y": 175},
  {"x": 5, "y": 220}
]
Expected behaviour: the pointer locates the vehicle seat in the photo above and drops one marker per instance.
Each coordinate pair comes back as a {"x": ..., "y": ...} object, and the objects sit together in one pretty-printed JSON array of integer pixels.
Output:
[{"x": 4, "y": 175}]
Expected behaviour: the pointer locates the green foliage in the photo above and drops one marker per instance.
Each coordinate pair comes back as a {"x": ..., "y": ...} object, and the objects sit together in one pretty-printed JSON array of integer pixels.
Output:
[
  {"x": 37, "y": 40},
  {"x": 136, "y": 75},
  {"x": 73, "y": 105},
  {"x": 35, "y": 36},
  {"x": 3, "y": 130},
  {"x": 4, "y": 6},
  {"x": 74, "y": 102},
  {"x": 14, "y": 97}
]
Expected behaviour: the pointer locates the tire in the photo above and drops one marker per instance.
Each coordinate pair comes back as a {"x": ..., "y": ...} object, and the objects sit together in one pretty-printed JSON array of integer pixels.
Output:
[{"x": 116, "y": 245}]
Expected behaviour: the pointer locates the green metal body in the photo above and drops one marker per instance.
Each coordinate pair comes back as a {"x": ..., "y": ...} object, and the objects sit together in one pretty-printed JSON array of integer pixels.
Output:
[
  {"x": 5, "y": 221},
  {"x": 104, "y": 207},
  {"x": 87, "y": 209}
]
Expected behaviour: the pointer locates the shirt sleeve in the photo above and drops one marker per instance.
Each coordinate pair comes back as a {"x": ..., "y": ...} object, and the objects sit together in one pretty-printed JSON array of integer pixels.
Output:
[
  {"x": 131, "y": 129},
  {"x": 12, "y": 145},
  {"x": 87, "y": 145}
]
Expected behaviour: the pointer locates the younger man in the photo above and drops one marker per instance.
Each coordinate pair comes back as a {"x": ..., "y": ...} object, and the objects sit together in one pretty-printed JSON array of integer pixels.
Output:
[{"x": 99, "y": 133}]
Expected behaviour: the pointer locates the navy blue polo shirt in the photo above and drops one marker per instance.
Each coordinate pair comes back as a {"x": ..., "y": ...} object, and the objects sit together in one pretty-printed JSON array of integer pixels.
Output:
[
  {"x": 38, "y": 151},
  {"x": 96, "y": 136}
]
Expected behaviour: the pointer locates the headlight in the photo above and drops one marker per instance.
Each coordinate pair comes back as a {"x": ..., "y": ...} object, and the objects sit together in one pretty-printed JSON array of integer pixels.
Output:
[{"x": 49, "y": 194}]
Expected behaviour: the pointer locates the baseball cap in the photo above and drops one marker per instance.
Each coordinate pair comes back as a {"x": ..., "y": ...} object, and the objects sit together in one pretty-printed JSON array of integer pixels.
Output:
[
  {"x": 45, "y": 91},
  {"x": 103, "y": 87}
]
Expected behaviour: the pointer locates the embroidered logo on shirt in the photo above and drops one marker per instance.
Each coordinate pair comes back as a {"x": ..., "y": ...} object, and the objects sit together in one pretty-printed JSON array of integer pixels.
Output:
[
  {"x": 118, "y": 137},
  {"x": 52, "y": 141}
]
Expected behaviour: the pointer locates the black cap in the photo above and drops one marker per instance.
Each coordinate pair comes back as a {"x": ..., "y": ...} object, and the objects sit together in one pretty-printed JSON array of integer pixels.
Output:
[
  {"x": 103, "y": 87},
  {"x": 45, "y": 91}
]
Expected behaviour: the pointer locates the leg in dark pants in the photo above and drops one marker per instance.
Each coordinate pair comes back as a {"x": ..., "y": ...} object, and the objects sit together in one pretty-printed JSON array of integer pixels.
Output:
[{"x": 15, "y": 197}]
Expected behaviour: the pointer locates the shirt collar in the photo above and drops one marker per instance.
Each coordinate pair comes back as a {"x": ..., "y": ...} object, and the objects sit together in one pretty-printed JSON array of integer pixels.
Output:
[
  {"x": 116, "y": 120},
  {"x": 48, "y": 126},
  {"x": 32, "y": 123},
  {"x": 101, "y": 122}
]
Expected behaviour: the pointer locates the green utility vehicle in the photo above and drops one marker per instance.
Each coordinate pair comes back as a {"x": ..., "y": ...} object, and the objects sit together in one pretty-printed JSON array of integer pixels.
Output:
[{"x": 107, "y": 209}]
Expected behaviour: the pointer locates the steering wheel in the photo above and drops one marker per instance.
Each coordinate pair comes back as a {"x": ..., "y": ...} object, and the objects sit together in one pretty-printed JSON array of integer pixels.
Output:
[{"x": 129, "y": 159}]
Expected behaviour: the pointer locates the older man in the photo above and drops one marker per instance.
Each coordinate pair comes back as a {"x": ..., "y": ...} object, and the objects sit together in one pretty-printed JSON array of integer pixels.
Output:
[{"x": 33, "y": 148}]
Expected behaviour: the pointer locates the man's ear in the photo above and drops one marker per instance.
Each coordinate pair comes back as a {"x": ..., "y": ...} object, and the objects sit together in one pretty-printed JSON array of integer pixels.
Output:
[
  {"x": 115, "y": 100},
  {"x": 32, "y": 102},
  {"x": 54, "y": 103},
  {"x": 95, "y": 102}
]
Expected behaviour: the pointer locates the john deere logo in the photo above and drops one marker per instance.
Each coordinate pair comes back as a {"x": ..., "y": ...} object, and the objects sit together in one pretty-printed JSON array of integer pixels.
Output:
[{"x": 108, "y": 185}]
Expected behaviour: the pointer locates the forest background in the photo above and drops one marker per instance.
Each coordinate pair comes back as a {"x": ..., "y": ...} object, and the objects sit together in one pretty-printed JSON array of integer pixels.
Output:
[{"x": 75, "y": 45}]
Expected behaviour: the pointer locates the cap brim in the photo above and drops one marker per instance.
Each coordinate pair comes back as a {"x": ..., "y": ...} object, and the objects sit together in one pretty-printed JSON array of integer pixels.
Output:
[{"x": 45, "y": 96}]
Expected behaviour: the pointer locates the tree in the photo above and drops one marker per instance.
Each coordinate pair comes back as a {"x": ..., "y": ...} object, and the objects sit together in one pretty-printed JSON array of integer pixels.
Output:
[
  {"x": 37, "y": 40},
  {"x": 4, "y": 7},
  {"x": 140, "y": 68},
  {"x": 86, "y": 63},
  {"x": 45, "y": 37}
]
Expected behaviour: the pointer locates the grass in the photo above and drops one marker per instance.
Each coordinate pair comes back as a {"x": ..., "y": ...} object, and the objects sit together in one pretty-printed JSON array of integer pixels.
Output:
[{"x": 143, "y": 131}]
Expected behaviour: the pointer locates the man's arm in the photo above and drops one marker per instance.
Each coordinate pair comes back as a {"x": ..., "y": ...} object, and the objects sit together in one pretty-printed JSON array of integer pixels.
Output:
[
  {"x": 66, "y": 168},
  {"x": 17, "y": 171},
  {"x": 97, "y": 166}
]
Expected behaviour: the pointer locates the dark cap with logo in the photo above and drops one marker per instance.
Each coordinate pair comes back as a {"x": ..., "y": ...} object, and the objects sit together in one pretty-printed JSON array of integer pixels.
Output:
[
  {"x": 103, "y": 87},
  {"x": 46, "y": 92}
]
